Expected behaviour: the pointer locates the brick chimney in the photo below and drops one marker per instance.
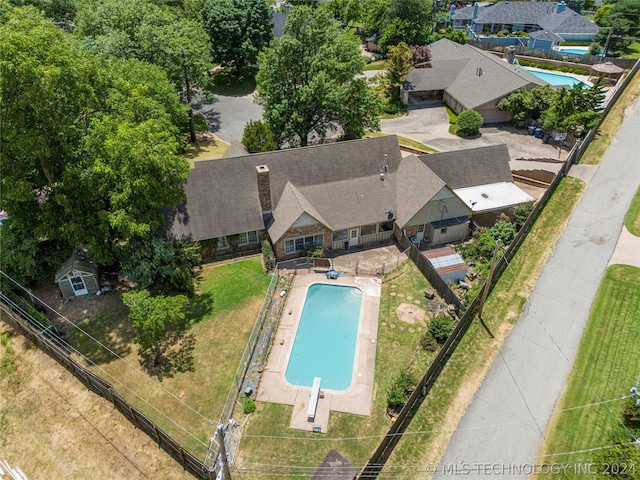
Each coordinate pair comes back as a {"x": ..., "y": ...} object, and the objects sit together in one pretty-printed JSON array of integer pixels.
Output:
[{"x": 264, "y": 188}]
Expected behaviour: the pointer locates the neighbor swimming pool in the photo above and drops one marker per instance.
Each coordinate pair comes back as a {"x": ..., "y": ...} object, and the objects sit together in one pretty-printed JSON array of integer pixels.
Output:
[
  {"x": 325, "y": 342},
  {"x": 574, "y": 50},
  {"x": 555, "y": 79}
]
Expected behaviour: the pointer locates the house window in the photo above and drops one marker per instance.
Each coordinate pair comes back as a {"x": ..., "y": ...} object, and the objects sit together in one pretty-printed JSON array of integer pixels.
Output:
[
  {"x": 421, "y": 228},
  {"x": 297, "y": 245},
  {"x": 223, "y": 243},
  {"x": 443, "y": 231},
  {"x": 339, "y": 235},
  {"x": 368, "y": 229},
  {"x": 247, "y": 238}
]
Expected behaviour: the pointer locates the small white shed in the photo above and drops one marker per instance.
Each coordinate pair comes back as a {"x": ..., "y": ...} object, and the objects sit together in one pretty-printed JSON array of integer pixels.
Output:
[{"x": 77, "y": 276}]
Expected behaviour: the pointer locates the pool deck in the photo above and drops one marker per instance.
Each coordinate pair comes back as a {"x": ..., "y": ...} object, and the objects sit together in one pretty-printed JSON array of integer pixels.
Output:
[{"x": 357, "y": 399}]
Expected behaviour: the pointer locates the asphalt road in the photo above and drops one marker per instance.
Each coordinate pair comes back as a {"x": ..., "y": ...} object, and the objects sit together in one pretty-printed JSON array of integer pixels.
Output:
[
  {"x": 506, "y": 419},
  {"x": 227, "y": 116}
]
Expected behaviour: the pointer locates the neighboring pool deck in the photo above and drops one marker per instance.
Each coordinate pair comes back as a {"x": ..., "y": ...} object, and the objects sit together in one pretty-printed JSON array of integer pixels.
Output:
[{"x": 358, "y": 397}]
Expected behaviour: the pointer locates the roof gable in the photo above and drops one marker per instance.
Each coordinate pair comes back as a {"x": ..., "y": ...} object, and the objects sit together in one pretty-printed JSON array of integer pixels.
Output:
[
  {"x": 291, "y": 206},
  {"x": 77, "y": 262},
  {"x": 419, "y": 186}
]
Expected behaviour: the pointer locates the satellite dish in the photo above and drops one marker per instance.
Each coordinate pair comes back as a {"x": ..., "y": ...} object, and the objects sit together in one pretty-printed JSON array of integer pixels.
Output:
[{"x": 390, "y": 216}]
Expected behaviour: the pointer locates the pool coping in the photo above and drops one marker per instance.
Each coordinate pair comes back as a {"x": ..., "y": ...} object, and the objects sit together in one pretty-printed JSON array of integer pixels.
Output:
[{"x": 357, "y": 399}]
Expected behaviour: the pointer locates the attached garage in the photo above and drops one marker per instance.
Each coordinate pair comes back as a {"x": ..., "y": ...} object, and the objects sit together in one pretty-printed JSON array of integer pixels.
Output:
[{"x": 77, "y": 276}]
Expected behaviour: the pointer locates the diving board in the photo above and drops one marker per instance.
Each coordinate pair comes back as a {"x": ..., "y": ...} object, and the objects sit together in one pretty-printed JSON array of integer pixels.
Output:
[{"x": 313, "y": 399}]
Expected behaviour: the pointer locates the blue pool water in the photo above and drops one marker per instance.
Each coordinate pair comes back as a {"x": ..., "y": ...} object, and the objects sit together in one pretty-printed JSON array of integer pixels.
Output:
[
  {"x": 555, "y": 79},
  {"x": 574, "y": 50},
  {"x": 326, "y": 338}
]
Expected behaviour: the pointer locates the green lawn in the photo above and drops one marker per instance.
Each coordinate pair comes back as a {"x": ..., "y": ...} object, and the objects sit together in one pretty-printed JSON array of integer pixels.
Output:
[
  {"x": 404, "y": 141},
  {"x": 379, "y": 65},
  {"x": 632, "y": 51},
  {"x": 632, "y": 220},
  {"x": 222, "y": 315},
  {"x": 445, "y": 404},
  {"x": 453, "y": 120},
  {"x": 227, "y": 82},
  {"x": 396, "y": 345},
  {"x": 606, "y": 366}
]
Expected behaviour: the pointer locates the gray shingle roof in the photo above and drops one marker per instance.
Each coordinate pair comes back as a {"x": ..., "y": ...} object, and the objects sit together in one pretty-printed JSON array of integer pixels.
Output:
[
  {"x": 532, "y": 13},
  {"x": 544, "y": 35},
  {"x": 468, "y": 168},
  {"x": 460, "y": 66},
  {"x": 222, "y": 195},
  {"x": 419, "y": 185},
  {"x": 236, "y": 149},
  {"x": 78, "y": 261}
]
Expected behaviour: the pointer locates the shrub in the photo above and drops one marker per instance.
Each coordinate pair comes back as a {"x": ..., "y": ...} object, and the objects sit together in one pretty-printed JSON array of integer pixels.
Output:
[
  {"x": 428, "y": 343},
  {"x": 631, "y": 413},
  {"x": 267, "y": 256},
  {"x": 313, "y": 252},
  {"x": 521, "y": 213},
  {"x": 503, "y": 231},
  {"x": 258, "y": 137},
  {"x": 248, "y": 405},
  {"x": 594, "y": 49},
  {"x": 441, "y": 327},
  {"x": 400, "y": 389},
  {"x": 469, "y": 123}
]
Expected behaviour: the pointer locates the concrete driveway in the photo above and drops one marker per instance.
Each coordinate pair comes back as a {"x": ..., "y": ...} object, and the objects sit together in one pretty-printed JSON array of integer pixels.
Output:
[
  {"x": 428, "y": 123},
  {"x": 227, "y": 115}
]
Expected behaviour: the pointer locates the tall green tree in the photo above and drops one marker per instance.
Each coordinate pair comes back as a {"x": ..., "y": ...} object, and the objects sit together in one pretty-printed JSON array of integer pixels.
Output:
[
  {"x": 621, "y": 24},
  {"x": 525, "y": 104},
  {"x": 408, "y": 21},
  {"x": 258, "y": 137},
  {"x": 238, "y": 29},
  {"x": 397, "y": 67},
  {"x": 575, "y": 110},
  {"x": 144, "y": 31},
  {"x": 307, "y": 81},
  {"x": 154, "y": 319}
]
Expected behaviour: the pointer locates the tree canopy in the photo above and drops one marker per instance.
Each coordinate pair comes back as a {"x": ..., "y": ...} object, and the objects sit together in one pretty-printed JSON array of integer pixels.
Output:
[
  {"x": 307, "y": 81},
  {"x": 621, "y": 24},
  {"x": 90, "y": 146},
  {"x": 238, "y": 29}
]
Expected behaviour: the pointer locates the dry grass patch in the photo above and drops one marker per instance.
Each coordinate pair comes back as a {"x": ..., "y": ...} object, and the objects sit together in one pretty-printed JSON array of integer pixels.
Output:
[
  {"x": 51, "y": 426},
  {"x": 205, "y": 150}
]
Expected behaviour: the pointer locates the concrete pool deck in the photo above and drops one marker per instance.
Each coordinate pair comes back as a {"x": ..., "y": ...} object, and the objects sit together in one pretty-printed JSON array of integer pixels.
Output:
[{"x": 357, "y": 398}]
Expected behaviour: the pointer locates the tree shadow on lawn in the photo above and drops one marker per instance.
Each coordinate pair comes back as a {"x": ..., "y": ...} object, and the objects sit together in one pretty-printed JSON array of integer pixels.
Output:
[
  {"x": 177, "y": 356},
  {"x": 200, "y": 307},
  {"x": 103, "y": 338}
]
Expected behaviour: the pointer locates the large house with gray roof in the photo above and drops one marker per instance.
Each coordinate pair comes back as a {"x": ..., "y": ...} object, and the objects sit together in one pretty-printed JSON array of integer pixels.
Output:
[
  {"x": 333, "y": 196},
  {"x": 553, "y": 17},
  {"x": 466, "y": 78}
]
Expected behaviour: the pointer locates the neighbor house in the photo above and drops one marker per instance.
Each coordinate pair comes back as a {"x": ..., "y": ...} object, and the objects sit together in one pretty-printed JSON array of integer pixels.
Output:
[
  {"x": 334, "y": 196},
  {"x": 465, "y": 78},
  {"x": 553, "y": 17}
]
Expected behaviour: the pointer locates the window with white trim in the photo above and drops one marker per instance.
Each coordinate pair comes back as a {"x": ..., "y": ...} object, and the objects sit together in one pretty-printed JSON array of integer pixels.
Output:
[
  {"x": 247, "y": 238},
  {"x": 297, "y": 245},
  {"x": 339, "y": 235},
  {"x": 223, "y": 243}
]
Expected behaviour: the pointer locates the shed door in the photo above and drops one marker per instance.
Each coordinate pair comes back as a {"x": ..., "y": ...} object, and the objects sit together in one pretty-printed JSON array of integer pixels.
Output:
[{"x": 77, "y": 283}]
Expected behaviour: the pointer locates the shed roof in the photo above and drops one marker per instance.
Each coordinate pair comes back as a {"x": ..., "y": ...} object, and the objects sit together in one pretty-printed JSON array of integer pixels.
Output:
[{"x": 77, "y": 262}]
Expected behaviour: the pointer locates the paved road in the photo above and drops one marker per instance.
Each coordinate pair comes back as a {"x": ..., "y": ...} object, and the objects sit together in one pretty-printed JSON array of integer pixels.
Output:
[
  {"x": 508, "y": 414},
  {"x": 227, "y": 116}
]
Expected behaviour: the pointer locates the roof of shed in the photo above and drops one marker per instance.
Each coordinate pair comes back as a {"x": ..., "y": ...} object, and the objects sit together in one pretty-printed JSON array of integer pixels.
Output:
[{"x": 77, "y": 262}]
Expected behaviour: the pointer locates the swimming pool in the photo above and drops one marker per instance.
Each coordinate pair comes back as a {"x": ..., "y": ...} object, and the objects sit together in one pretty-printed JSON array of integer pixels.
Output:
[
  {"x": 555, "y": 79},
  {"x": 574, "y": 50},
  {"x": 325, "y": 341}
]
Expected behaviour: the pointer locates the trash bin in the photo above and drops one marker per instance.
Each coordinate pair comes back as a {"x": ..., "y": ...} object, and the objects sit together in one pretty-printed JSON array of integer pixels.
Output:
[
  {"x": 546, "y": 138},
  {"x": 537, "y": 133},
  {"x": 531, "y": 130},
  {"x": 346, "y": 245}
]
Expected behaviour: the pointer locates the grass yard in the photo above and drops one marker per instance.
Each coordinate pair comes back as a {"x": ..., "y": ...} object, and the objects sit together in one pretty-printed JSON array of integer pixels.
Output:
[
  {"x": 291, "y": 452},
  {"x": 443, "y": 408},
  {"x": 205, "y": 150},
  {"x": 222, "y": 315},
  {"x": 404, "y": 141},
  {"x": 632, "y": 220},
  {"x": 453, "y": 120},
  {"x": 632, "y": 51},
  {"x": 608, "y": 362},
  {"x": 378, "y": 65},
  {"x": 227, "y": 82},
  {"x": 611, "y": 124}
]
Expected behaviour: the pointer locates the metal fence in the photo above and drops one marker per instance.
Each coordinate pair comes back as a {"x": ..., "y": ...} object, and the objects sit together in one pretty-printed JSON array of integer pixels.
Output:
[
  {"x": 19, "y": 318},
  {"x": 552, "y": 54}
]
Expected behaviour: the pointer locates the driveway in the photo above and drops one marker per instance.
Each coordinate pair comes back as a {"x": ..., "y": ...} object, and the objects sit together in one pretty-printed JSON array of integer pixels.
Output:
[
  {"x": 506, "y": 420},
  {"x": 428, "y": 123},
  {"x": 227, "y": 115}
]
